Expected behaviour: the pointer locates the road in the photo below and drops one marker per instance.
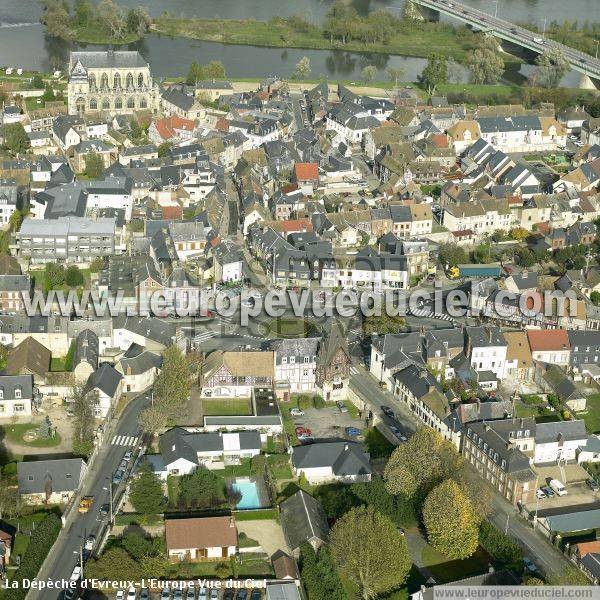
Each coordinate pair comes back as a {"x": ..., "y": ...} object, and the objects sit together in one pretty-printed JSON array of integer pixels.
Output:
[
  {"x": 65, "y": 552},
  {"x": 579, "y": 61}
]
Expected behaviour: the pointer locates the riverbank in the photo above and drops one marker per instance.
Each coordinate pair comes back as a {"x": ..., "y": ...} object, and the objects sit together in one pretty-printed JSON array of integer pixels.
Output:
[{"x": 418, "y": 40}]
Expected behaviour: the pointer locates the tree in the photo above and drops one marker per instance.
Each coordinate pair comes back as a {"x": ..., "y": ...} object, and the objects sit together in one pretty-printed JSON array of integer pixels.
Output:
[
  {"x": 15, "y": 138},
  {"x": 485, "y": 61},
  {"x": 135, "y": 130},
  {"x": 73, "y": 276},
  {"x": 383, "y": 324},
  {"x": 499, "y": 546},
  {"x": 369, "y": 73},
  {"x": 15, "y": 220},
  {"x": 595, "y": 298},
  {"x": 570, "y": 575},
  {"x": 452, "y": 255},
  {"x": 450, "y": 521},
  {"x": 411, "y": 11},
  {"x": 435, "y": 73},
  {"x": 138, "y": 21},
  {"x": 215, "y": 69},
  {"x": 481, "y": 254},
  {"x": 54, "y": 276},
  {"x": 164, "y": 149},
  {"x": 319, "y": 575},
  {"x": 83, "y": 11},
  {"x": 146, "y": 494},
  {"x": 97, "y": 264},
  {"x": 10, "y": 501},
  {"x": 367, "y": 548},
  {"x": 519, "y": 233},
  {"x": 56, "y": 18},
  {"x": 3, "y": 356},
  {"x": 552, "y": 66},
  {"x": 395, "y": 74},
  {"x": 202, "y": 489},
  {"x": 37, "y": 82},
  {"x": 137, "y": 546},
  {"x": 303, "y": 69},
  {"x": 418, "y": 465},
  {"x": 83, "y": 422},
  {"x": 94, "y": 165},
  {"x": 113, "y": 564},
  {"x": 195, "y": 73},
  {"x": 112, "y": 17}
]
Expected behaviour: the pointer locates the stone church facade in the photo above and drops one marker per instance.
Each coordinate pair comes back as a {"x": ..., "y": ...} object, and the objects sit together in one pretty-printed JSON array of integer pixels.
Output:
[{"x": 113, "y": 82}]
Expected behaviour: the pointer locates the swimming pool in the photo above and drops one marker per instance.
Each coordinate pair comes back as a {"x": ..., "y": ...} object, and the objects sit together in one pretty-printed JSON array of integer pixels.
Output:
[{"x": 250, "y": 495}]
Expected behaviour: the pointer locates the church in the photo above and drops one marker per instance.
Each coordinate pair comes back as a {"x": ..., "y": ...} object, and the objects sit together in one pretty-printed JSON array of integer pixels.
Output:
[{"x": 113, "y": 82}]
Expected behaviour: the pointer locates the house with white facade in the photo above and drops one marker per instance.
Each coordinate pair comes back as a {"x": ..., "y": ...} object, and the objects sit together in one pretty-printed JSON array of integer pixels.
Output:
[
  {"x": 559, "y": 440},
  {"x": 486, "y": 350},
  {"x": 550, "y": 346},
  {"x": 16, "y": 396},
  {"x": 295, "y": 364},
  {"x": 204, "y": 538}
]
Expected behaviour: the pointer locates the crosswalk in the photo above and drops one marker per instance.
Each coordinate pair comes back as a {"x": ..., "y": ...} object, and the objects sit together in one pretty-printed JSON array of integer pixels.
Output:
[
  {"x": 125, "y": 440},
  {"x": 205, "y": 335},
  {"x": 422, "y": 312},
  {"x": 353, "y": 370}
]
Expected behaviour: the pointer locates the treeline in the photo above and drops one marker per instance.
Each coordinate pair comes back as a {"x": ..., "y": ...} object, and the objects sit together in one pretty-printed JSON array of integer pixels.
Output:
[
  {"x": 584, "y": 37},
  {"x": 97, "y": 21}
]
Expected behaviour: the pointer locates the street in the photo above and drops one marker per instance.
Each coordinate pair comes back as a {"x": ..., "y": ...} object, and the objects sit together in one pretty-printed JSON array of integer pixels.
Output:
[{"x": 66, "y": 550}]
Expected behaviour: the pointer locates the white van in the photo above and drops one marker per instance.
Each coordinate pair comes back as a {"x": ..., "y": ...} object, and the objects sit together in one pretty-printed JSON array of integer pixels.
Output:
[{"x": 558, "y": 488}]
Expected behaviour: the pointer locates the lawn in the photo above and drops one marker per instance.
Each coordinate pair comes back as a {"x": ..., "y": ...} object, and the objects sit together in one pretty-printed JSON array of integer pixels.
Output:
[
  {"x": 540, "y": 413},
  {"x": 14, "y": 433},
  {"x": 173, "y": 490},
  {"x": 378, "y": 446},
  {"x": 242, "y": 470},
  {"x": 138, "y": 519},
  {"x": 592, "y": 414},
  {"x": 264, "y": 514},
  {"x": 289, "y": 327},
  {"x": 352, "y": 410},
  {"x": 445, "y": 570},
  {"x": 222, "y": 407},
  {"x": 57, "y": 365},
  {"x": 280, "y": 466},
  {"x": 288, "y": 425}
]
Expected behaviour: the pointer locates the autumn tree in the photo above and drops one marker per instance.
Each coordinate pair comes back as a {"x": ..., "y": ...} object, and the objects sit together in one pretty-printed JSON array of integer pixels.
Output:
[
  {"x": 450, "y": 521},
  {"x": 368, "y": 549},
  {"x": 369, "y": 73},
  {"x": 303, "y": 69},
  {"x": 83, "y": 422},
  {"x": 452, "y": 254},
  {"x": 421, "y": 463},
  {"x": 112, "y": 565},
  {"x": 395, "y": 74},
  {"x": 10, "y": 500},
  {"x": 112, "y": 17},
  {"x": 138, "y": 20},
  {"x": 485, "y": 61},
  {"x": 56, "y": 18}
]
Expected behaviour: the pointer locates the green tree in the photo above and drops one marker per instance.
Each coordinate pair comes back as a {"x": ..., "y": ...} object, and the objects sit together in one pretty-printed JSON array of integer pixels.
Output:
[
  {"x": 146, "y": 494},
  {"x": 3, "y": 356},
  {"x": 135, "y": 129},
  {"x": 94, "y": 165},
  {"x": 73, "y": 276},
  {"x": 485, "y": 61},
  {"x": 164, "y": 149},
  {"x": 421, "y": 463},
  {"x": 215, "y": 69},
  {"x": 452, "y": 255},
  {"x": 137, "y": 546},
  {"x": 369, "y": 73},
  {"x": 570, "y": 575},
  {"x": 37, "y": 82},
  {"x": 499, "y": 546},
  {"x": 412, "y": 12},
  {"x": 195, "y": 73},
  {"x": 83, "y": 11},
  {"x": 112, "y": 16},
  {"x": 383, "y": 324},
  {"x": 15, "y": 138},
  {"x": 395, "y": 74},
  {"x": 481, "y": 254},
  {"x": 435, "y": 73},
  {"x": 450, "y": 521},
  {"x": 83, "y": 422},
  {"x": 552, "y": 66},
  {"x": 97, "y": 264},
  {"x": 202, "y": 489},
  {"x": 54, "y": 276},
  {"x": 56, "y": 18},
  {"x": 595, "y": 298},
  {"x": 10, "y": 500},
  {"x": 303, "y": 69},
  {"x": 138, "y": 21},
  {"x": 114, "y": 564},
  {"x": 319, "y": 575},
  {"x": 368, "y": 550}
]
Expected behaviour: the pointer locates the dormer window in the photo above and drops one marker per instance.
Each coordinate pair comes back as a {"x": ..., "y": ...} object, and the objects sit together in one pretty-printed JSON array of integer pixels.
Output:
[
  {"x": 292, "y": 360},
  {"x": 17, "y": 392},
  {"x": 1, "y": 393},
  {"x": 284, "y": 360}
]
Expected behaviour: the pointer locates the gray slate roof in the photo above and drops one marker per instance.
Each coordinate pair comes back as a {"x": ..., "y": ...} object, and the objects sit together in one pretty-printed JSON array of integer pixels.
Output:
[
  {"x": 303, "y": 519},
  {"x": 64, "y": 473},
  {"x": 345, "y": 458}
]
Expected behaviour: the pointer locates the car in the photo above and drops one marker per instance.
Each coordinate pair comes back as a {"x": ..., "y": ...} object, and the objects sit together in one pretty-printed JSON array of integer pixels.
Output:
[
  {"x": 548, "y": 491},
  {"x": 104, "y": 510},
  {"x": 297, "y": 412},
  {"x": 123, "y": 465},
  {"x": 228, "y": 595},
  {"x": 190, "y": 593},
  {"x": 178, "y": 594},
  {"x": 341, "y": 407},
  {"x": 529, "y": 564},
  {"x": 401, "y": 531},
  {"x": 144, "y": 594},
  {"x": 513, "y": 30},
  {"x": 166, "y": 594},
  {"x": 90, "y": 541},
  {"x": 304, "y": 433},
  {"x": 387, "y": 411},
  {"x": 131, "y": 593},
  {"x": 255, "y": 594},
  {"x": 398, "y": 433},
  {"x": 76, "y": 574},
  {"x": 127, "y": 456},
  {"x": 242, "y": 594},
  {"x": 85, "y": 504},
  {"x": 201, "y": 593},
  {"x": 540, "y": 494},
  {"x": 118, "y": 476},
  {"x": 120, "y": 595},
  {"x": 593, "y": 484},
  {"x": 352, "y": 431},
  {"x": 214, "y": 594}
]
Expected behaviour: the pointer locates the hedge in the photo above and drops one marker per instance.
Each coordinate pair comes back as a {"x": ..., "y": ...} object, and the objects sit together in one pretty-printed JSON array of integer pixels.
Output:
[
  {"x": 499, "y": 546},
  {"x": 40, "y": 544}
]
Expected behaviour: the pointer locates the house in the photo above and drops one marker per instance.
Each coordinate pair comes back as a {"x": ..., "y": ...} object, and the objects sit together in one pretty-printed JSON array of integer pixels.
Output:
[
  {"x": 585, "y": 348},
  {"x": 50, "y": 481},
  {"x": 107, "y": 153},
  {"x": 559, "y": 440},
  {"x": 6, "y": 540},
  {"x": 205, "y": 538},
  {"x": 168, "y": 129},
  {"x": 139, "y": 368},
  {"x": 16, "y": 396},
  {"x": 333, "y": 365},
  {"x": 85, "y": 357},
  {"x": 29, "y": 358},
  {"x": 556, "y": 380},
  {"x": 284, "y": 566},
  {"x": 228, "y": 262},
  {"x": 327, "y": 462},
  {"x": 550, "y": 346},
  {"x": 486, "y": 350},
  {"x": 13, "y": 291},
  {"x": 105, "y": 384},
  {"x": 234, "y": 374},
  {"x": 295, "y": 364},
  {"x": 184, "y": 451},
  {"x": 519, "y": 362},
  {"x": 304, "y": 521},
  {"x": 283, "y": 591},
  {"x": 306, "y": 175},
  {"x": 497, "y": 450},
  {"x": 175, "y": 100}
]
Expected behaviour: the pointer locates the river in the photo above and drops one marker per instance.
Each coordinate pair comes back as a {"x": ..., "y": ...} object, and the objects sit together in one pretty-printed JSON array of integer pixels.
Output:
[{"x": 23, "y": 42}]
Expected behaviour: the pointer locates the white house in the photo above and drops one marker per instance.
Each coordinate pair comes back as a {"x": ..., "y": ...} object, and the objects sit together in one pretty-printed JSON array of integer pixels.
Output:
[
  {"x": 205, "y": 538},
  {"x": 139, "y": 368},
  {"x": 105, "y": 385},
  {"x": 16, "y": 395},
  {"x": 486, "y": 350},
  {"x": 559, "y": 440}
]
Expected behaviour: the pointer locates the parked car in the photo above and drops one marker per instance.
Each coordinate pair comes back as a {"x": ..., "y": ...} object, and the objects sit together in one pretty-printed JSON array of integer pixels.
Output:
[
  {"x": 166, "y": 594},
  {"x": 190, "y": 593},
  {"x": 120, "y": 595},
  {"x": 127, "y": 456},
  {"x": 593, "y": 485},
  {"x": 398, "y": 433},
  {"x": 352, "y": 431},
  {"x": 255, "y": 595},
  {"x": 296, "y": 412},
  {"x": 201, "y": 594},
  {"x": 529, "y": 564},
  {"x": 242, "y": 594},
  {"x": 341, "y": 407},
  {"x": 548, "y": 491},
  {"x": 131, "y": 594},
  {"x": 144, "y": 594},
  {"x": 303, "y": 433},
  {"x": 557, "y": 487},
  {"x": 76, "y": 574},
  {"x": 540, "y": 493},
  {"x": 228, "y": 595},
  {"x": 387, "y": 411},
  {"x": 214, "y": 594},
  {"x": 123, "y": 465},
  {"x": 118, "y": 476},
  {"x": 90, "y": 541},
  {"x": 178, "y": 594}
]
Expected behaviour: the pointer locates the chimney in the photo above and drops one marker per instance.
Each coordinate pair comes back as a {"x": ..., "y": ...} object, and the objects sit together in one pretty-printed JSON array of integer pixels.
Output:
[
  {"x": 525, "y": 273},
  {"x": 231, "y": 522}
]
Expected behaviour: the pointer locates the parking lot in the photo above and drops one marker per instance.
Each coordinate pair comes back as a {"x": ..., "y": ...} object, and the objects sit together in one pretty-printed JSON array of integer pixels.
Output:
[
  {"x": 573, "y": 477},
  {"x": 328, "y": 422},
  {"x": 195, "y": 593}
]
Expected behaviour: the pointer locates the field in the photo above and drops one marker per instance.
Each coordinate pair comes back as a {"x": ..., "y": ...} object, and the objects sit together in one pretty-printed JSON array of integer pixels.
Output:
[
  {"x": 222, "y": 407},
  {"x": 14, "y": 433},
  {"x": 592, "y": 416}
]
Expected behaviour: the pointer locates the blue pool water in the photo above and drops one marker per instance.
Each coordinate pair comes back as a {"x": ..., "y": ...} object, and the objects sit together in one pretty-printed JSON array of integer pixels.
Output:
[{"x": 249, "y": 491}]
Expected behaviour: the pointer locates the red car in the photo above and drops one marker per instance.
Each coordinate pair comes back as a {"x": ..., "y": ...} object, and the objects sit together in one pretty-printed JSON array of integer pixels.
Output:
[{"x": 303, "y": 433}]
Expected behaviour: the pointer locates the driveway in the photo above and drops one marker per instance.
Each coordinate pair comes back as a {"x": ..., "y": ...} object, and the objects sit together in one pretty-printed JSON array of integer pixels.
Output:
[
  {"x": 327, "y": 422},
  {"x": 267, "y": 533}
]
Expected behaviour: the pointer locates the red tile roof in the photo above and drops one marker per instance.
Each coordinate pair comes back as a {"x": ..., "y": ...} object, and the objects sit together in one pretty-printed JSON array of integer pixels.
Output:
[
  {"x": 548, "y": 339},
  {"x": 172, "y": 212},
  {"x": 306, "y": 171},
  {"x": 169, "y": 126},
  {"x": 205, "y": 532}
]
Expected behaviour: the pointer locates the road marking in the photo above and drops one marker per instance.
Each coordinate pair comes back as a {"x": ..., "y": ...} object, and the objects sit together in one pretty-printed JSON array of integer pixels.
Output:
[
  {"x": 125, "y": 440},
  {"x": 354, "y": 370}
]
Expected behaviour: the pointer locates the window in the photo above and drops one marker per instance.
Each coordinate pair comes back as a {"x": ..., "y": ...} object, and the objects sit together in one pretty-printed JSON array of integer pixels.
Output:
[
  {"x": 140, "y": 80},
  {"x": 68, "y": 475},
  {"x": 131, "y": 102},
  {"x": 292, "y": 360},
  {"x": 17, "y": 392},
  {"x": 1, "y": 393},
  {"x": 284, "y": 360},
  {"x": 306, "y": 359},
  {"x": 129, "y": 81},
  {"x": 117, "y": 81},
  {"x": 93, "y": 104}
]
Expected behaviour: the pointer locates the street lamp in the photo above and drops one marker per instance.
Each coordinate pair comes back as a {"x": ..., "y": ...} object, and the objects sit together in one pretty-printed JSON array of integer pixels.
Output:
[{"x": 544, "y": 29}]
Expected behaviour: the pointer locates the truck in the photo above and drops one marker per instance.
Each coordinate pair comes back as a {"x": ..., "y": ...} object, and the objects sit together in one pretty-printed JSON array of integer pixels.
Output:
[
  {"x": 86, "y": 504},
  {"x": 557, "y": 487},
  {"x": 474, "y": 270}
]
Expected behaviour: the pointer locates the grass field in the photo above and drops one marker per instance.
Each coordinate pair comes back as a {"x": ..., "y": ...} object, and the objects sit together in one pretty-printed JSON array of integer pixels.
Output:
[
  {"x": 222, "y": 407},
  {"x": 592, "y": 416},
  {"x": 14, "y": 433},
  {"x": 445, "y": 570}
]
